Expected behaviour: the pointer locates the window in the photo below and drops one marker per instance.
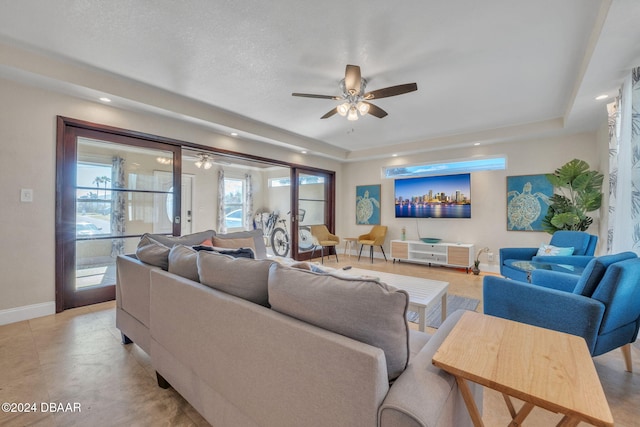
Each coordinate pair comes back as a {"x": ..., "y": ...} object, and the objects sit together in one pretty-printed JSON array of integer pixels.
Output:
[
  {"x": 446, "y": 168},
  {"x": 233, "y": 202},
  {"x": 286, "y": 181}
]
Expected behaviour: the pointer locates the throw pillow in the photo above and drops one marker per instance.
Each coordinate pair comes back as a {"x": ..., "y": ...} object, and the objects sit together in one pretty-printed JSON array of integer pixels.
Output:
[
  {"x": 236, "y": 253},
  {"x": 241, "y": 277},
  {"x": 183, "y": 261},
  {"x": 550, "y": 250},
  {"x": 366, "y": 310},
  {"x": 246, "y": 242},
  {"x": 258, "y": 240},
  {"x": 187, "y": 240},
  {"x": 150, "y": 251}
]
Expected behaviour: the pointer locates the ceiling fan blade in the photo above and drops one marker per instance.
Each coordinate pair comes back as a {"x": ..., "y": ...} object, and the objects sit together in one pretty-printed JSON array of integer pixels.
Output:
[
  {"x": 391, "y": 91},
  {"x": 376, "y": 111},
  {"x": 352, "y": 79},
  {"x": 311, "y": 95},
  {"x": 330, "y": 113}
]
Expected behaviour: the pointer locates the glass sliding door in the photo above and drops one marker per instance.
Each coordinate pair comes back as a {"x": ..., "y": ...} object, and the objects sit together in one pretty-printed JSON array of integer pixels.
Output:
[
  {"x": 313, "y": 197},
  {"x": 113, "y": 190}
]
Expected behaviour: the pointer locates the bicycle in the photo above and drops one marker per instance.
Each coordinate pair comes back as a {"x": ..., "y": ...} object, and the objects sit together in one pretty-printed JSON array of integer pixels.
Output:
[{"x": 279, "y": 234}]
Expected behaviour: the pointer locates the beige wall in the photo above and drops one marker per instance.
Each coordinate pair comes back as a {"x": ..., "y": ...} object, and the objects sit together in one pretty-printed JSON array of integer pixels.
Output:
[
  {"x": 27, "y": 160},
  {"x": 487, "y": 226}
]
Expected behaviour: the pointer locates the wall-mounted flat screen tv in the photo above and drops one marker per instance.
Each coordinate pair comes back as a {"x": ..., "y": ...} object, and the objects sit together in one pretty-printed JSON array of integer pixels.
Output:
[{"x": 444, "y": 196}]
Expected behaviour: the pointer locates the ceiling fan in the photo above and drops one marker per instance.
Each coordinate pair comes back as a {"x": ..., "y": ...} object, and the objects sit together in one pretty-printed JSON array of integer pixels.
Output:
[{"x": 355, "y": 99}]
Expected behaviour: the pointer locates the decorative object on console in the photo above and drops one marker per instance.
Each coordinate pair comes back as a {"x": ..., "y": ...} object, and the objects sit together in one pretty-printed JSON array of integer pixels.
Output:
[
  {"x": 525, "y": 193},
  {"x": 368, "y": 204},
  {"x": 580, "y": 193}
]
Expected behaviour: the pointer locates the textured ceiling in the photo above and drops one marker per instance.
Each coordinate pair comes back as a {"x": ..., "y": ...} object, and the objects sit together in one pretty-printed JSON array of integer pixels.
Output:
[{"x": 492, "y": 71}]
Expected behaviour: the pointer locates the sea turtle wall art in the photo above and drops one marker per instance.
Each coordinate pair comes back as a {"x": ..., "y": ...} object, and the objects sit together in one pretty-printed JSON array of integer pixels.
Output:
[
  {"x": 527, "y": 201},
  {"x": 368, "y": 204}
]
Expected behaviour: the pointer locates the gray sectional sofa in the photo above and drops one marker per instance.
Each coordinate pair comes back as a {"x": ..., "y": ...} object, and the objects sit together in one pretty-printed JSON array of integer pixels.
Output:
[{"x": 253, "y": 342}]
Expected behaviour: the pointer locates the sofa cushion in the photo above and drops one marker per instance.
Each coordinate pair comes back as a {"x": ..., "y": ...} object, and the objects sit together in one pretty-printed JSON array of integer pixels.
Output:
[
  {"x": 183, "y": 261},
  {"x": 365, "y": 310},
  {"x": 241, "y": 277},
  {"x": 258, "y": 240},
  {"x": 594, "y": 272},
  {"x": 152, "y": 252}
]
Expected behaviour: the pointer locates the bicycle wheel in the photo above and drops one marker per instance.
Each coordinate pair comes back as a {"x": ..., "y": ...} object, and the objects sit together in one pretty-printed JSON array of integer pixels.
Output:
[
  {"x": 280, "y": 242},
  {"x": 305, "y": 239}
]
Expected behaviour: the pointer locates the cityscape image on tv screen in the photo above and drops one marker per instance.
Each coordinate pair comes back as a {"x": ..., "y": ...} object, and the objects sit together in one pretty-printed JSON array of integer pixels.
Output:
[{"x": 445, "y": 196}]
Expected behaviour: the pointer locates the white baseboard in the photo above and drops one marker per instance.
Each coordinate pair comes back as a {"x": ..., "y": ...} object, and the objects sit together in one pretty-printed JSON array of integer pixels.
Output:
[{"x": 18, "y": 314}]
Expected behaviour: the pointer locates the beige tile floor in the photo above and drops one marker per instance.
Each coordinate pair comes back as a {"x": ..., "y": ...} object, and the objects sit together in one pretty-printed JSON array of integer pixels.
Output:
[{"x": 76, "y": 357}]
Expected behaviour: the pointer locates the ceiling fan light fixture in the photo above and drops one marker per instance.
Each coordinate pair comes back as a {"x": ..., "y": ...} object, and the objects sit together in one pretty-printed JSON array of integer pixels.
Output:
[
  {"x": 363, "y": 108},
  {"x": 353, "y": 114},
  {"x": 343, "y": 109},
  {"x": 204, "y": 161}
]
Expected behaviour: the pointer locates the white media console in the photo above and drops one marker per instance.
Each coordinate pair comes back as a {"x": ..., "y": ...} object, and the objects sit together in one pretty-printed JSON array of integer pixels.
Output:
[{"x": 447, "y": 254}]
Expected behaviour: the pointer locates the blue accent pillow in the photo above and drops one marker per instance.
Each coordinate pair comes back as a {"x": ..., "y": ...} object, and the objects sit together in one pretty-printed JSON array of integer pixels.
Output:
[{"x": 550, "y": 250}]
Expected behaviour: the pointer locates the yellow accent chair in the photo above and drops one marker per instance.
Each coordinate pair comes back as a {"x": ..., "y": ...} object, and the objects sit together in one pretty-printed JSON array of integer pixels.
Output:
[
  {"x": 373, "y": 238},
  {"x": 323, "y": 238}
]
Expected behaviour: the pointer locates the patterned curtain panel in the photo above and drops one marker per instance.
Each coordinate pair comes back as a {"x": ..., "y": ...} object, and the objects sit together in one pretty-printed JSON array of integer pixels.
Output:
[
  {"x": 118, "y": 206},
  {"x": 222, "y": 226},
  {"x": 624, "y": 168},
  {"x": 248, "y": 202}
]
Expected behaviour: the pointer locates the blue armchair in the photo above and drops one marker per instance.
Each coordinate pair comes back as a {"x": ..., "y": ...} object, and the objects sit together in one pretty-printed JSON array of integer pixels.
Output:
[
  {"x": 603, "y": 307},
  {"x": 584, "y": 246}
]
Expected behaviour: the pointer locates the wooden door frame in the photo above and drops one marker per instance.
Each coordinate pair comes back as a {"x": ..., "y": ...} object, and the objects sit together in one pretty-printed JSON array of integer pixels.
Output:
[
  {"x": 65, "y": 229},
  {"x": 329, "y": 213}
]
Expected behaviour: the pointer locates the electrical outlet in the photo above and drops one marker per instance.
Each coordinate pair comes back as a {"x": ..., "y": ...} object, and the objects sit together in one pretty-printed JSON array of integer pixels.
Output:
[
  {"x": 26, "y": 195},
  {"x": 490, "y": 256}
]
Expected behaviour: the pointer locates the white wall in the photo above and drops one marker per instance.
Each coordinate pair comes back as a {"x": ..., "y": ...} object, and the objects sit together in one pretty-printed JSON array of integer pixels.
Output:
[
  {"x": 27, "y": 160},
  {"x": 488, "y": 224}
]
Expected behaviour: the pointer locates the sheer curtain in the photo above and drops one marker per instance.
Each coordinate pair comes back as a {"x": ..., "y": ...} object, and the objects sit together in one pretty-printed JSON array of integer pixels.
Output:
[
  {"x": 624, "y": 167},
  {"x": 222, "y": 225},
  {"x": 118, "y": 205},
  {"x": 248, "y": 202}
]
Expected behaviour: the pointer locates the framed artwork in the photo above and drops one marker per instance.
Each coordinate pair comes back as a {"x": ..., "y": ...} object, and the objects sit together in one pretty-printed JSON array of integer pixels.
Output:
[
  {"x": 527, "y": 201},
  {"x": 368, "y": 204}
]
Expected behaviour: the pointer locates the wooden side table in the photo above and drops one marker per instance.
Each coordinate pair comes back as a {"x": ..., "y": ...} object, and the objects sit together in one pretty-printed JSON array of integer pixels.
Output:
[
  {"x": 350, "y": 243},
  {"x": 542, "y": 367}
]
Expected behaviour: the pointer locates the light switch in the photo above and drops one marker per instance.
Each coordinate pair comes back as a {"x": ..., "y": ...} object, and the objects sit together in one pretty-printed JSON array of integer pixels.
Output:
[{"x": 26, "y": 195}]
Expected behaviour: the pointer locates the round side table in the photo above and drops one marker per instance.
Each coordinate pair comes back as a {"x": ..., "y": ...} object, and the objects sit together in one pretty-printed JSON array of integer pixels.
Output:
[{"x": 350, "y": 243}]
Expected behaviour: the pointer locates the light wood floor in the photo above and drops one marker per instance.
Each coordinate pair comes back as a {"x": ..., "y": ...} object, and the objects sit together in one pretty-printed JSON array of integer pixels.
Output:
[{"x": 76, "y": 357}]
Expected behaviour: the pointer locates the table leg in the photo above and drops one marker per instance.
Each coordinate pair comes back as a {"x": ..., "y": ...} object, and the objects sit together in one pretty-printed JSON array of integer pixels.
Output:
[
  {"x": 471, "y": 404},
  {"x": 568, "y": 421},
  {"x": 422, "y": 319},
  {"x": 443, "y": 311}
]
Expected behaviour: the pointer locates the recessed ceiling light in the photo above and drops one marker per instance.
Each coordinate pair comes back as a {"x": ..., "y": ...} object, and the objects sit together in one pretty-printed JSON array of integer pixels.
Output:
[
  {"x": 476, "y": 143},
  {"x": 234, "y": 133},
  {"x": 394, "y": 155},
  {"x": 304, "y": 151},
  {"x": 598, "y": 98},
  {"x": 105, "y": 99}
]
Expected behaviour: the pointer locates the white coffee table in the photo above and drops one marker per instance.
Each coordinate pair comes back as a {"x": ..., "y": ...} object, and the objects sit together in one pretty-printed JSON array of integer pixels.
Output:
[{"x": 423, "y": 293}]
